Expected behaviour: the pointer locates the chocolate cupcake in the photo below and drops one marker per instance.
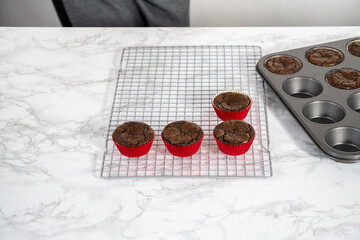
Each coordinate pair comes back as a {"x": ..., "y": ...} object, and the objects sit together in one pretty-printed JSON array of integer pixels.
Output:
[
  {"x": 231, "y": 105},
  {"x": 234, "y": 137},
  {"x": 344, "y": 78},
  {"x": 354, "y": 48},
  {"x": 182, "y": 138},
  {"x": 324, "y": 57},
  {"x": 133, "y": 139},
  {"x": 283, "y": 65}
]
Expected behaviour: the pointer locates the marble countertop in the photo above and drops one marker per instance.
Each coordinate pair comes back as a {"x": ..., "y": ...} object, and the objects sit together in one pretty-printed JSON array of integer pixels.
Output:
[{"x": 56, "y": 89}]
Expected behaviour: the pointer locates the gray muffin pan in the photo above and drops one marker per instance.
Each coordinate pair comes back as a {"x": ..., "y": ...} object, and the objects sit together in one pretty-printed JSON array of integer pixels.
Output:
[{"x": 330, "y": 116}]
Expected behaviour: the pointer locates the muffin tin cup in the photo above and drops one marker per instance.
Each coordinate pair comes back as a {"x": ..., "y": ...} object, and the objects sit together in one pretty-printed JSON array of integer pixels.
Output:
[
  {"x": 183, "y": 151},
  {"x": 354, "y": 102},
  {"x": 302, "y": 87},
  {"x": 348, "y": 45},
  {"x": 284, "y": 55},
  {"x": 234, "y": 150},
  {"x": 343, "y": 139},
  {"x": 346, "y": 88},
  {"x": 136, "y": 151},
  {"x": 327, "y": 48},
  {"x": 324, "y": 112},
  {"x": 231, "y": 115},
  {"x": 329, "y": 115}
]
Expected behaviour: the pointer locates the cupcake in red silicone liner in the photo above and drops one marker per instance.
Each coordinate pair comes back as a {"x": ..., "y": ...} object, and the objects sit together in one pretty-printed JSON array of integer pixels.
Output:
[
  {"x": 231, "y": 105},
  {"x": 234, "y": 137},
  {"x": 182, "y": 138},
  {"x": 133, "y": 139}
]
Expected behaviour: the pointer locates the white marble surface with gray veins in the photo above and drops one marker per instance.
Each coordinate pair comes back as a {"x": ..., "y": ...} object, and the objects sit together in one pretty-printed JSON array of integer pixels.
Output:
[{"x": 56, "y": 89}]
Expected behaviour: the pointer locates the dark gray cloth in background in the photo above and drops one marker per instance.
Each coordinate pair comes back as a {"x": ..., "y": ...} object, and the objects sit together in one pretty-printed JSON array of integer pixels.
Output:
[{"x": 128, "y": 13}]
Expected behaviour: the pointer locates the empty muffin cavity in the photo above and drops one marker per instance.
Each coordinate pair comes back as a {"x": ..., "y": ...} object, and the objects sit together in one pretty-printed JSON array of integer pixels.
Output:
[
  {"x": 354, "y": 102},
  {"x": 283, "y": 65},
  {"x": 345, "y": 139},
  {"x": 324, "y": 112},
  {"x": 324, "y": 56},
  {"x": 302, "y": 87}
]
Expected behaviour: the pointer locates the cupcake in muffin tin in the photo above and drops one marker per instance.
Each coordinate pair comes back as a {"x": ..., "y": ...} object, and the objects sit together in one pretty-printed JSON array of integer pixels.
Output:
[
  {"x": 324, "y": 57},
  {"x": 283, "y": 65},
  {"x": 354, "y": 48}
]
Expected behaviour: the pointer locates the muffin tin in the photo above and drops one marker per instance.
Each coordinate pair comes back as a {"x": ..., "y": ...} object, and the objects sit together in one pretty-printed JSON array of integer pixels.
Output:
[{"x": 330, "y": 116}]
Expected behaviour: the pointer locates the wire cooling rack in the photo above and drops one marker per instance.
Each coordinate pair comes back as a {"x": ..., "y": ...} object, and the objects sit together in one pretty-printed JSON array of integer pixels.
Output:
[{"x": 159, "y": 85}]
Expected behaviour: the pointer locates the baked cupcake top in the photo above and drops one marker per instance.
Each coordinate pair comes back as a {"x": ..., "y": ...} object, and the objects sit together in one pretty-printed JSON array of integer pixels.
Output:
[
  {"x": 182, "y": 133},
  {"x": 344, "y": 78},
  {"x": 232, "y": 101},
  {"x": 354, "y": 48},
  {"x": 324, "y": 57},
  {"x": 131, "y": 134},
  {"x": 283, "y": 65},
  {"x": 234, "y": 132}
]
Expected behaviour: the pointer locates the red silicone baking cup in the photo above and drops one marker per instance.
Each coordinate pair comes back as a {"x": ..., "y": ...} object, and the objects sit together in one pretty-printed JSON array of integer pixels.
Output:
[
  {"x": 183, "y": 151},
  {"x": 136, "y": 151},
  {"x": 231, "y": 115},
  {"x": 234, "y": 150}
]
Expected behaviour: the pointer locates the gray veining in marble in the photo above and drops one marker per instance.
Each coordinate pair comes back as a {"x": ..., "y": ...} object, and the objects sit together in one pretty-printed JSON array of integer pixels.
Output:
[{"x": 56, "y": 88}]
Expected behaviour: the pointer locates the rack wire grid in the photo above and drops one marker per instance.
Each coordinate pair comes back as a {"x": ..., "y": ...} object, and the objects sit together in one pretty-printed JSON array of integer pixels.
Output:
[{"x": 159, "y": 85}]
